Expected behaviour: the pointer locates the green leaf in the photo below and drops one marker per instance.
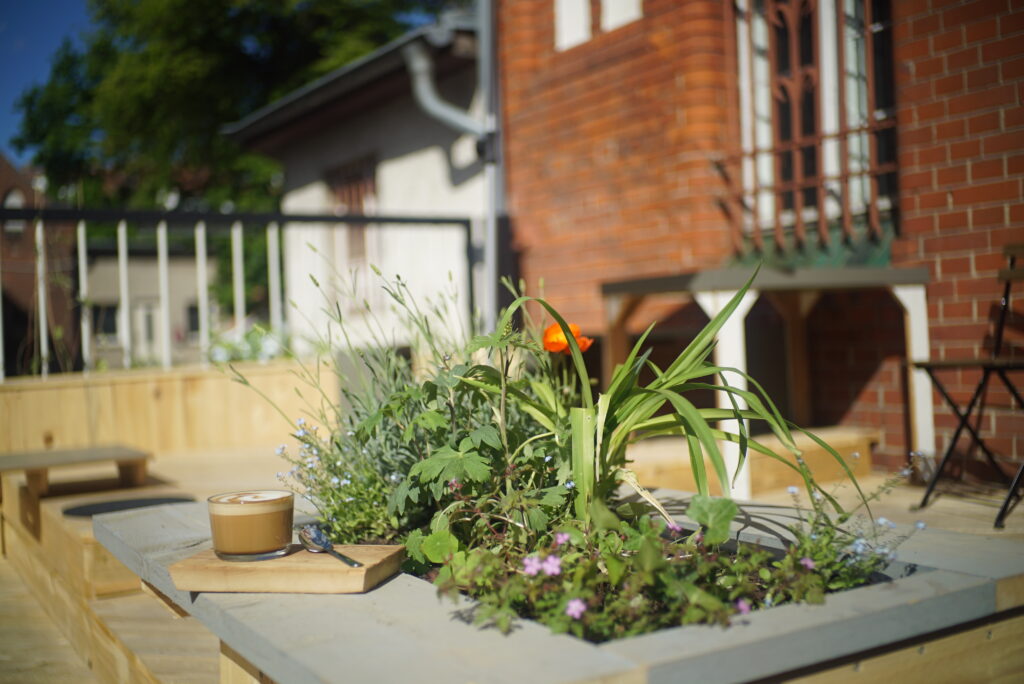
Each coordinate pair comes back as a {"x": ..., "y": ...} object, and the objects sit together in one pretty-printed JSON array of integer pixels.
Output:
[
  {"x": 631, "y": 509},
  {"x": 650, "y": 556},
  {"x": 714, "y": 515},
  {"x": 536, "y": 519},
  {"x": 603, "y": 518},
  {"x": 447, "y": 464},
  {"x": 583, "y": 468},
  {"x": 413, "y": 546},
  {"x": 486, "y": 434},
  {"x": 439, "y": 546},
  {"x": 616, "y": 568},
  {"x": 552, "y": 497}
]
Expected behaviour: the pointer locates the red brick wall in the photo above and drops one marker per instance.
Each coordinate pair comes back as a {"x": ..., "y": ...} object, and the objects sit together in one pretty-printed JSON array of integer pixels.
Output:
[
  {"x": 608, "y": 153},
  {"x": 18, "y": 251},
  {"x": 609, "y": 146},
  {"x": 960, "y": 80}
]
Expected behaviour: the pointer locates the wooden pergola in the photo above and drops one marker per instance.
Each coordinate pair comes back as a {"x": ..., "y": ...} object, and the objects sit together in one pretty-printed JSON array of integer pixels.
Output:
[{"x": 793, "y": 293}]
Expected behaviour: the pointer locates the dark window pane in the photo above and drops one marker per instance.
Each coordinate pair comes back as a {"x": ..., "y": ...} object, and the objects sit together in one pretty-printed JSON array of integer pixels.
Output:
[
  {"x": 881, "y": 11},
  {"x": 885, "y": 141},
  {"x": 809, "y": 158},
  {"x": 887, "y": 185},
  {"x": 807, "y": 39},
  {"x": 786, "y": 166},
  {"x": 785, "y": 118},
  {"x": 104, "y": 319},
  {"x": 882, "y": 51},
  {"x": 193, "y": 318},
  {"x": 808, "y": 123},
  {"x": 810, "y": 196},
  {"x": 782, "y": 66}
]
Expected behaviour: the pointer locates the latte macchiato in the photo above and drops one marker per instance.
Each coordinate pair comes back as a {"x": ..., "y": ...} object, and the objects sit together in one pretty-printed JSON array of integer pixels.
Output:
[{"x": 251, "y": 525}]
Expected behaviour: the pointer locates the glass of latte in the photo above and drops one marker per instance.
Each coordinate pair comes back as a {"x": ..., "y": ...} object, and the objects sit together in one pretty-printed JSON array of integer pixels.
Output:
[{"x": 251, "y": 525}]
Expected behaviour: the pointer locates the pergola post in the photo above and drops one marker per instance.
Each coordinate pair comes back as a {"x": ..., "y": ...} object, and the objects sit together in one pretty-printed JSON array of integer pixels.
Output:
[
  {"x": 915, "y": 326},
  {"x": 618, "y": 309},
  {"x": 731, "y": 351}
]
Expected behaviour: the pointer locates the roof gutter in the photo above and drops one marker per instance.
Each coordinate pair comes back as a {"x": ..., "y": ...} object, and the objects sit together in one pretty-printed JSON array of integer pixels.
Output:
[{"x": 421, "y": 70}]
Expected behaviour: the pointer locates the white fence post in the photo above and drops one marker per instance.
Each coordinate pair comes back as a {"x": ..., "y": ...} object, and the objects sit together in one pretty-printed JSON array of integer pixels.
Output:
[
  {"x": 165, "y": 294},
  {"x": 41, "y": 309},
  {"x": 124, "y": 334},
  {"x": 238, "y": 279},
  {"x": 203, "y": 293},
  {"x": 83, "y": 298},
  {"x": 274, "y": 277}
]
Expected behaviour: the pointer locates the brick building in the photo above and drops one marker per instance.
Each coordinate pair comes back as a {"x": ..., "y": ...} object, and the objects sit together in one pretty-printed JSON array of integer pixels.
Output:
[
  {"x": 662, "y": 137},
  {"x": 19, "y": 290}
]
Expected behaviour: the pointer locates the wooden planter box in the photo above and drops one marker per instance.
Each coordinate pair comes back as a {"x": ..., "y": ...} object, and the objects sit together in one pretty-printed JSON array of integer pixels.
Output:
[{"x": 959, "y": 611}]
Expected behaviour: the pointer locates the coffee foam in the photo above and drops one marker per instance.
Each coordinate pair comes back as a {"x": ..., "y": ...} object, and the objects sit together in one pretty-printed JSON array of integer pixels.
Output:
[{"x": 250, "y": 502}]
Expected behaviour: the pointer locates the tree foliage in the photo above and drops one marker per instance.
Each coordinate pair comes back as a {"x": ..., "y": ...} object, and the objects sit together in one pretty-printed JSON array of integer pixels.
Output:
[{"x": 135, "y": 107}]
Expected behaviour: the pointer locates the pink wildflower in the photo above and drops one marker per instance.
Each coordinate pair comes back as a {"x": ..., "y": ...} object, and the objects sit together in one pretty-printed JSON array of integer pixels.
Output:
[
  {"x": 575, "y": 608},
  {"x": 531, "y": 565},
  {"x": 673, "y": 527},
  {"x": 561, "y": 538},
  {"x": 552, "y": 566},
  {"x": 807, "y": 563},
  {"x": 742, "y": 607}
]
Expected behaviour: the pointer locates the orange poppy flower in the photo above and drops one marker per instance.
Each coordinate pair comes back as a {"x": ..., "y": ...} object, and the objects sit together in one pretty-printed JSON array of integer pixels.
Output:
[{"x": 554, "y": 339}]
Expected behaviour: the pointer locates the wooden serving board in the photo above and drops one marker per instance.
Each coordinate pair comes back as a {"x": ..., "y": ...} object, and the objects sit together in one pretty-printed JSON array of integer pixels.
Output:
[{"x": 299, "y": 572}]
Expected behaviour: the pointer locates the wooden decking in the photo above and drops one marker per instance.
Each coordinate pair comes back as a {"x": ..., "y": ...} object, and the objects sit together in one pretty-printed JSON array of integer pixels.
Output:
[{"x": 32, "y": 649}]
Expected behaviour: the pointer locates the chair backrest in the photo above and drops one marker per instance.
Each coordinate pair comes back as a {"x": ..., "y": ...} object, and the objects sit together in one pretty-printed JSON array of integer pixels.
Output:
[{"x": 1014, "y": 271}]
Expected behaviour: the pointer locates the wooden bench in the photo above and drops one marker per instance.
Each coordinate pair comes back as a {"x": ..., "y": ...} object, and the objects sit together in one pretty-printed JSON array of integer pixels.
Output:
[{"x": 131, "y": 464}]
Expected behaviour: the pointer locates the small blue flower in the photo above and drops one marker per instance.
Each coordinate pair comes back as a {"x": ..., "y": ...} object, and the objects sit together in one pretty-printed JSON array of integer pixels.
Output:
[
  {"x": 349, "y": 500},
  {"x": 855, "y": 455},
  {"x": 350, "y": 433},
  {"x": 920, "y": 524},
  {"x": 885, "y": 522},
  {"x": 792, "y": 490},
  {"x": 301, "y": 433},
  {"x": 280, "y": 450},
  {"x": 570, "y": 484},
  {"x": 300, "y": 422},
  {"x": 335, "y": 480},
  {"x": 345, "y": 482},
  {"x": 547, "y": 459}
]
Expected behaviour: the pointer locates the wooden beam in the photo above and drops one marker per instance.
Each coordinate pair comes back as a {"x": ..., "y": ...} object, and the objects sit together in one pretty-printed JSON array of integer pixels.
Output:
[{"x": 618, "y": 309}]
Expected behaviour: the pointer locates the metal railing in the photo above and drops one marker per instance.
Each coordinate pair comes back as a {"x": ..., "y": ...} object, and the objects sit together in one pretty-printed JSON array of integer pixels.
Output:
[{"x": 200, "y": 223}]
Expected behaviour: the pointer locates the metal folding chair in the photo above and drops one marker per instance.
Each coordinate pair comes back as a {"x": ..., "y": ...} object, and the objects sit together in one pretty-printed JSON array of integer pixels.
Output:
[{"x": 995, "y": 365}]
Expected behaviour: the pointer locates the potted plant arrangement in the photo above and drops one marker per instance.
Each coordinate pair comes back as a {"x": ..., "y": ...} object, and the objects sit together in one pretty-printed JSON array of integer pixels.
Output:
[{"x": 504, "y": 472}]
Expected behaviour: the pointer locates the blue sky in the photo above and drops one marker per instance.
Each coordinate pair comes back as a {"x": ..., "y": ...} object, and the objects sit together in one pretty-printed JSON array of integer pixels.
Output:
[{"x": 30, "y": 32}]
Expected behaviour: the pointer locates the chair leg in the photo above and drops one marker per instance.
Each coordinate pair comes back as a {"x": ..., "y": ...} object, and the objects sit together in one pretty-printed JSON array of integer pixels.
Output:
[{"x": 1010, "y": 497}]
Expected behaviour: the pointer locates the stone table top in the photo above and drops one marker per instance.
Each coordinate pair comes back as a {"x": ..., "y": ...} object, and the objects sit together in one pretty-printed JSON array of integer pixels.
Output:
[{"x": 402, "y": 631}]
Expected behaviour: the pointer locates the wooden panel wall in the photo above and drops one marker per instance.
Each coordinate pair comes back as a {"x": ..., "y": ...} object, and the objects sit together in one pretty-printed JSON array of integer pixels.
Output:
[{"x": 159, "y": 411}]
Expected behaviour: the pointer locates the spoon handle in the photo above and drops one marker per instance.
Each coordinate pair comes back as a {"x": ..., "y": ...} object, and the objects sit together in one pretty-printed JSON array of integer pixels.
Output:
[{"x": 351, "y": 562}]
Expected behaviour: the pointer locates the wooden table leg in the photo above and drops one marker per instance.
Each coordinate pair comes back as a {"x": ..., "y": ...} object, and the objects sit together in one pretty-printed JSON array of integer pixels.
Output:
[
  {"x": 132, "y": 473},
  {"x": 38, "y": 481}
]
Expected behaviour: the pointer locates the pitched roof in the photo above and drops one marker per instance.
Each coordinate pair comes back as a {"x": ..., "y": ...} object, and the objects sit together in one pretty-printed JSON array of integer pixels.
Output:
[{"x": 347, "y": 79}]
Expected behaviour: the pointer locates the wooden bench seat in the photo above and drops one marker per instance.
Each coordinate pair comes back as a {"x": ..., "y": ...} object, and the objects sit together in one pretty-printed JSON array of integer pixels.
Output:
[{"x": 131, "y": 464}]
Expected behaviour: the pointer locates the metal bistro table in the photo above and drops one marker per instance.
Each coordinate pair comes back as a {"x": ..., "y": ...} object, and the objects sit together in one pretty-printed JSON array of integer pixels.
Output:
[{"x": 962, "y": 587}]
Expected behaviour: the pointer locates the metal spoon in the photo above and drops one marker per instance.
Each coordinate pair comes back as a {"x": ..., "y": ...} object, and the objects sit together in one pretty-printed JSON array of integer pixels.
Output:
[{"x": 314, "y": 539}]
